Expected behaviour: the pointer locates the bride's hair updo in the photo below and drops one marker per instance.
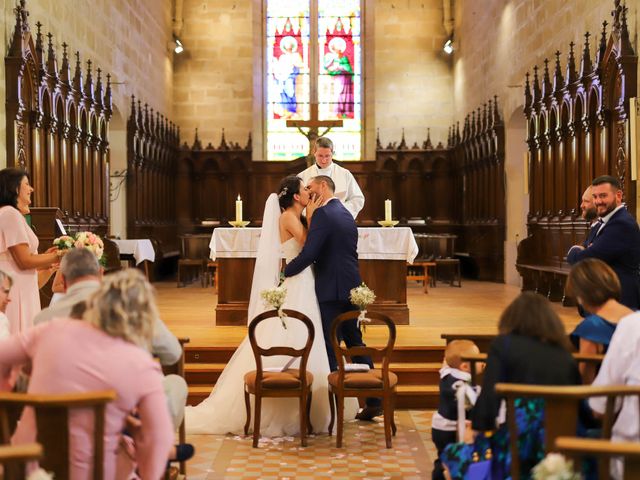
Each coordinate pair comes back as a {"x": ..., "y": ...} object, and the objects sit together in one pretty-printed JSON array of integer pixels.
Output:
[{"x": 289, "y": 186}]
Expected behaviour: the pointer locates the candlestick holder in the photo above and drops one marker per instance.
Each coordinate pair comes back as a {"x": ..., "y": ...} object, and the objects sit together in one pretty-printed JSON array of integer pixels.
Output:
[
  {"x": 388, "y": 223},
  {"x": 239, "y": 223}
]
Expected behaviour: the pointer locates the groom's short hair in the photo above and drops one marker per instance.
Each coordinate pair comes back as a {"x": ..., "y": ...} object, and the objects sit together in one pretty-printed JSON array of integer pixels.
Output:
[{"x": 325, "y": 179}]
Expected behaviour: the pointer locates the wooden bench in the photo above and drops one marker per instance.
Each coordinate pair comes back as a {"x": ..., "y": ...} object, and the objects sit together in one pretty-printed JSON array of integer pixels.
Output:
[
  {"x": 546, "y": 280},
  {"x": 419, "y": 271},
  {"x": 574, "y": 447},
  {"x": 474, "y": 359},
  {"x": 482, "y": 340}
]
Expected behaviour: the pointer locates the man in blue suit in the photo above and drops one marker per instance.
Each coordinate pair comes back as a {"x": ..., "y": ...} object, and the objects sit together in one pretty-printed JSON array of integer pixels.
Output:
[
  {"x": 616, "y": 242},
  {"x": 331, "y": 246}
]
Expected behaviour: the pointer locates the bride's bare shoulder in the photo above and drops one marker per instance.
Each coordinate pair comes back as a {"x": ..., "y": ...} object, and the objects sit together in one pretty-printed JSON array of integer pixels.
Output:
[{"x": 288, "y": 218}]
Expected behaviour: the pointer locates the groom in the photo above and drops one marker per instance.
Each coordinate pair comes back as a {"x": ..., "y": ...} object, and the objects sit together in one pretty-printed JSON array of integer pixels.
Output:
[{"x": 331, "y": 245}]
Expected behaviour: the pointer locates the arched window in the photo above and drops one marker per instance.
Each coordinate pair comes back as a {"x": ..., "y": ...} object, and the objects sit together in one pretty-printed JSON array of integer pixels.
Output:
[{"x": 313, "y": 69}]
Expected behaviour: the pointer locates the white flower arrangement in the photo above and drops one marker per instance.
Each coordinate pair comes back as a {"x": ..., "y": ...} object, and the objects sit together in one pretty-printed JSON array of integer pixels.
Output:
[
  {"x": 275, "y": 297},
  {"x": 88, "y": 240},
  {"x": 362, "y": 297},
  {"x": 555, "y": 467}
]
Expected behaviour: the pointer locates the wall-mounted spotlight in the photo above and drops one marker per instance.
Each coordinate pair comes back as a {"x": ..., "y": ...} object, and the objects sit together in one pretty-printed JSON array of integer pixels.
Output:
[
  {"x": 448, "y": 46},
  {"x": 178, "y": 47}
]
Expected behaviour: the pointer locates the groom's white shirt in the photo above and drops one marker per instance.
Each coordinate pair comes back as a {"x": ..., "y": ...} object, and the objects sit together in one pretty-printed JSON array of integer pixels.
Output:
[{"x": 347, "y": 189}]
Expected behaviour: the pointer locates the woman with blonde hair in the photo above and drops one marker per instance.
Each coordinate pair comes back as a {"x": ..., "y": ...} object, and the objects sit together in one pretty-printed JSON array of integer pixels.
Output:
[{"x": 107, "y": 350}]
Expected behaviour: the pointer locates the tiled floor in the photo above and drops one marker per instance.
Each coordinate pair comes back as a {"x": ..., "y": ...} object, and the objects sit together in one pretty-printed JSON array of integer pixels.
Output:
[{"x": 363, "y": 456}]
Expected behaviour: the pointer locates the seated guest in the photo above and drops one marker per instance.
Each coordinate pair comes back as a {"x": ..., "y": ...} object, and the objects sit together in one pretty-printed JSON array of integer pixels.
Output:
[
  {"x": 81, "y": 276},
  {"x": 531, "y": 348},
  {"x": 621, "y": 366},
  {"x": 105, "y": 351},
  {"x": 453, "y": 375},
  {"x": 5, "y": 288},
  {"x": 596, "y": 287}
]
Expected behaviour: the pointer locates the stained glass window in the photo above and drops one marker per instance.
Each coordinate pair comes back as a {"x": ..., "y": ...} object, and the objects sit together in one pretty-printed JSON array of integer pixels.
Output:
[{"x": 333, "y": 80}]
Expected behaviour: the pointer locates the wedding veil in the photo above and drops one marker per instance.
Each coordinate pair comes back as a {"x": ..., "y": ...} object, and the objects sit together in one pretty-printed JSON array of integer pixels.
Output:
[{"x": 266, "y": 273}]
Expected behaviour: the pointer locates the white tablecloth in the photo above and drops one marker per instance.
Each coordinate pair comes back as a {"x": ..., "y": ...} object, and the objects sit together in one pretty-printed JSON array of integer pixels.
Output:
[
  {"x": 141, "y": 249},
  {"x": 375, "y": 243}
]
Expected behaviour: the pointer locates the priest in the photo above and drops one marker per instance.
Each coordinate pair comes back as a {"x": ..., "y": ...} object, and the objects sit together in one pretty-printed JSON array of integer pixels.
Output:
[{"x": 347, "y": 189}]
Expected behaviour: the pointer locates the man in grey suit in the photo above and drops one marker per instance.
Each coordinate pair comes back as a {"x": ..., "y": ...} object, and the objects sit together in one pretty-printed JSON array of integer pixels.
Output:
[{"x": 81, "y": 274}]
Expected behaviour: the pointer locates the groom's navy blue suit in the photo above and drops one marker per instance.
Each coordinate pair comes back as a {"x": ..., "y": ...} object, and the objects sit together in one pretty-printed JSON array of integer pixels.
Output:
[{"x": 331, "y": 246}]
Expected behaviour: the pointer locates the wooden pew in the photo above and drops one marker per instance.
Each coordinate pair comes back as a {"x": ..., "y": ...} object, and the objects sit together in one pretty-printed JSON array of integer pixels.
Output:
[
  {"x": 52, "y": 420},
  {"x": 603, "y": 449},
  {"x": 16, "y": 458},
  {"x": 482, "y": 340},
  {"x": 561, "y": 405},
  {"x": 474, "y": 359}
]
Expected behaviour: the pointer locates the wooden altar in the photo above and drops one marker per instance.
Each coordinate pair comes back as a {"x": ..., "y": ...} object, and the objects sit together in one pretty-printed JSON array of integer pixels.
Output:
[{"x": 383, "y": 271}]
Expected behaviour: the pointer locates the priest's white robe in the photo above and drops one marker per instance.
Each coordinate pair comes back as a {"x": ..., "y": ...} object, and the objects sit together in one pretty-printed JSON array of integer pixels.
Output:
[{"x": 347, "y": 189}]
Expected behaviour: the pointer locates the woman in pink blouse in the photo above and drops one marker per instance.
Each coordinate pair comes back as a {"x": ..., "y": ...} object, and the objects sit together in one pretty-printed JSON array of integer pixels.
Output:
[
  {"x": 104, "y": 351},
  {"x": 19, "y": 249}
]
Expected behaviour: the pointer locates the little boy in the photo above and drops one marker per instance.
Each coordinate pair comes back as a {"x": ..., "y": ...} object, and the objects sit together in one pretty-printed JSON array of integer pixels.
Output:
[{"x": 453, "y": 374}]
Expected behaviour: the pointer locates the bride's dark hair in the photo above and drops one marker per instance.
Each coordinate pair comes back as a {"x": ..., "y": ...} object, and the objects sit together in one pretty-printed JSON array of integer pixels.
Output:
[{"x": 289, "y": 186}]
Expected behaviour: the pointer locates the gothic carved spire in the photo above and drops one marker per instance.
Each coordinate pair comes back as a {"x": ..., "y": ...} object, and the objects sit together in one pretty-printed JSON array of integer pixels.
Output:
[
  {"x": 403, "y": 143},
  {"x": 572, "y": 73},
  {"x": 223, "y": 142},
  {"x": 196, "y": 141},
  {"x": 546, "y": 80},
  {"x": 107, "y": 96},
  {"x": 536, "y": 85},
  {"x": 625, "y": 42},
  {"x": 496, "y": 112},
  {"x": 527, "y": 93},
  {"x": 65, "y": 72},
  {"x": 558, "y": 81},
  {"x": 77, "y": 75},
  {"x": 99, "y": 99},
  {"x": 52, "y": 67},
  {"x": 249, "y": 143},
  {"x": 603, "y": 44},
  {"x": 586, "y": 67},
  {"x": 88, "y": 84},
  {"x": 427, "y": 145}
]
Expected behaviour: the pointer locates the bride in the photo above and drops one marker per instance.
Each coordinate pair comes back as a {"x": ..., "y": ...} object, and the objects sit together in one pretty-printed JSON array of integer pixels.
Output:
[{"x": 283, "y": 233}]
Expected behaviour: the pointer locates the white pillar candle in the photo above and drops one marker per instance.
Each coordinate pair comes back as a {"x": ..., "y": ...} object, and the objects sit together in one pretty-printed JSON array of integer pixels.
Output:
[
  {"x": 387, "y": 210},
  {"x": 238, "y": 209}
]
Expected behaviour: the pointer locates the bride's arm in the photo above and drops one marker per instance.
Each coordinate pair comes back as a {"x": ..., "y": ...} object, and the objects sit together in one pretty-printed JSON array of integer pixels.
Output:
[{"x": 294, "y": 227}]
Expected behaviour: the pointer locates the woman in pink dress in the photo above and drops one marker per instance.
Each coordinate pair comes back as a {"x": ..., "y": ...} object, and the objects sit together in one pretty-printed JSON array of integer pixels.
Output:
[
  {"x": 19, "y": 249},
  {"x": 104, "y": 351}
]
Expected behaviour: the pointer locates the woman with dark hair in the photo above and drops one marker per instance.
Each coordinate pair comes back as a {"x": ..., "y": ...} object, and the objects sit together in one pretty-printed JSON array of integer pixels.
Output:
[
  {"x": 596, "y": 287},
  {"x": 283, "y": 234},
  {"x": 531, "y": 348},
  {"x": 19, "y": 249}
]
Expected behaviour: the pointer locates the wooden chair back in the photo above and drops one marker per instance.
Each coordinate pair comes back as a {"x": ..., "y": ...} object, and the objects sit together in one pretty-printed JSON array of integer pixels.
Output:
[
  {"x": 475, "y": 358},
  {"x": 52, "y": 423},
  {"x": 561, "y": 404},
  {"x": 178, "y": 369},
  {"x": 603, "y": 450},
  {"x": 14, "y": 458},
  {"x": 194, "y": 247},
  {"x": 302, "y": 353},
  {"x": 382, "y": 354}
]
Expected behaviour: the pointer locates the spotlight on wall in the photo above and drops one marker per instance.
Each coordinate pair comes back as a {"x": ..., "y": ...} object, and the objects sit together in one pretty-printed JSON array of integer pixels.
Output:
[
  {"x": 178, "y": 47},
  {"x": 448, "y": 47}
]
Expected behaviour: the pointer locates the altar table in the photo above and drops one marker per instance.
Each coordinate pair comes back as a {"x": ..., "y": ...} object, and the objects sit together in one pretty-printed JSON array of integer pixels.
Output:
[{"x": 383, "y": 254}]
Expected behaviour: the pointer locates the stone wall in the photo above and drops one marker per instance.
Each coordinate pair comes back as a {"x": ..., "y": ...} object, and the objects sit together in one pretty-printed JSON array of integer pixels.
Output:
[{"x": 413, "y": 76}]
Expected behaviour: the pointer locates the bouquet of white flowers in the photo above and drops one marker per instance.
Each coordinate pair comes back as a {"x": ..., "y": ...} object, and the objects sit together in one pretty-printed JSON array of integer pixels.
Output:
[
  {"x": 555, "y": 467},
  {"x": 87, "y": 240},
  {"x": 274, "y": 297},
  {"x": 362, "y": 297}
]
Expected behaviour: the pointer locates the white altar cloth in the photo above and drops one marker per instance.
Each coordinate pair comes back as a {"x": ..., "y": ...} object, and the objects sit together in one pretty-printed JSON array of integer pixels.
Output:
[
  {"x": 141, "y": 249},
  {"x": 374, "y": 243}
]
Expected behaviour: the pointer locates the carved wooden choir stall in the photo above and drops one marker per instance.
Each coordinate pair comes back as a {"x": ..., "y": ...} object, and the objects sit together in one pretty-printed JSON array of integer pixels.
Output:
[{"x": 577, "y": 130}]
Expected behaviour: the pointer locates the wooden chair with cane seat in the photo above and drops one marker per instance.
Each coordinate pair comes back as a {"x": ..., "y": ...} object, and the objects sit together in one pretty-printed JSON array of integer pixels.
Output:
[
  {"x": 178, "y": 369},
  {"x": 561, "y": 404},
  {"x": 17, "y": 456},
  {"x": 288, "y": 383},
  {"x": 374, "y": 383},
  {"x": 52, "y": 422}
]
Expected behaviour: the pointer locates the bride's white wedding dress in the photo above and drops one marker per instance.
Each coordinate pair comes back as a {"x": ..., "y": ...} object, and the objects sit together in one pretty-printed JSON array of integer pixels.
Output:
[{"x": 224, "y": 411}]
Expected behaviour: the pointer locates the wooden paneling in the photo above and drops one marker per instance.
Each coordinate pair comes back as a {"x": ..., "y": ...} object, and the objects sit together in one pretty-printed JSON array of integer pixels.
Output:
[
  {"x": 577, "y": 124},
  {"x": 57, "y": 126},
  {"x": 152, "y": 159}
]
